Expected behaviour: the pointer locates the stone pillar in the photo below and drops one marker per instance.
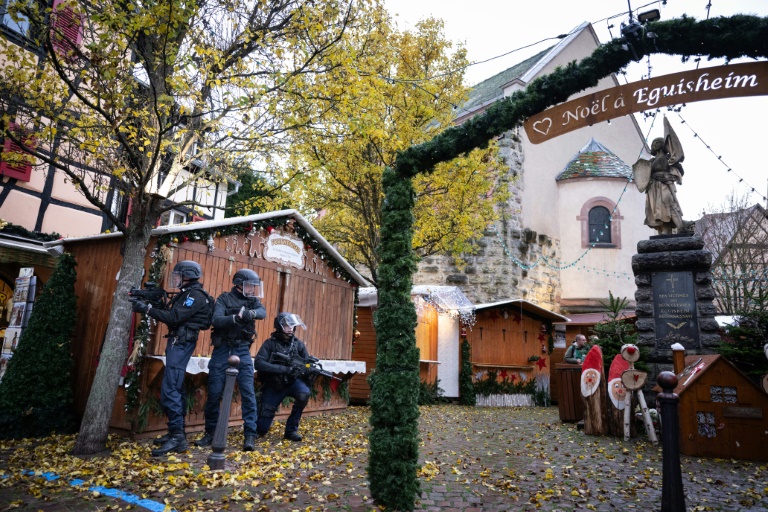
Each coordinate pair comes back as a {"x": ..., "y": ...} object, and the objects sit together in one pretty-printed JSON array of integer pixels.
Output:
[{"x": 674, "y": 299}]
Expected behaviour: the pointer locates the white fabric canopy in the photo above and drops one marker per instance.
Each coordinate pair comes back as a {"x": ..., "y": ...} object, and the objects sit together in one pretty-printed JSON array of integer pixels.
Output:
[{"x": 200, "y": 365}]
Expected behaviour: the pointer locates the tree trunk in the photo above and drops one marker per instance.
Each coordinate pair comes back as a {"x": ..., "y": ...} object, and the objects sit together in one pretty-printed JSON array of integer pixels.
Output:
[
  {"x": 94, "y": 428},
  {"x": 594, "y": 389},
  {"x": 596, "y": 411}
]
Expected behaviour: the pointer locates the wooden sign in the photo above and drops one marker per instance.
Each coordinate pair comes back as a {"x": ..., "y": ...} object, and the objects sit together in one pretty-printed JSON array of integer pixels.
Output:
[
  {"x": 633, "y": 379},
  {"x": 285, "y": 248},
  {"x": 743, "y": 412},
  {"x": 731, "y": 81}
]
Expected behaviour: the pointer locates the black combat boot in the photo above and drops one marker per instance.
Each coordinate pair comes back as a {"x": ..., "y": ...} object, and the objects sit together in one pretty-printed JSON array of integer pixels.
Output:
[
  {"x": 293, "y": 436},
  {"x": 250, "y": 443},
  {"x": 177, "y": 442},
  {"x": 159, "y": 441},
  {"x": 206, "y": 440}
]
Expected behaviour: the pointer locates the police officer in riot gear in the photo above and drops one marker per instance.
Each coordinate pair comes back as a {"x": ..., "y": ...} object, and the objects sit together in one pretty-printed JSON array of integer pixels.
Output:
[
  {"x": 278, "y": 380},
  {"x": 188, "y": 312},
  {"x": 234, "y": 326}
]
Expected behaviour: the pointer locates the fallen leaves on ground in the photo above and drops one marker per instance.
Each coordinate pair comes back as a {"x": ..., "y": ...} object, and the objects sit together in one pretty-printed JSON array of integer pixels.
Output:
[{"x": 476, "y": 456}]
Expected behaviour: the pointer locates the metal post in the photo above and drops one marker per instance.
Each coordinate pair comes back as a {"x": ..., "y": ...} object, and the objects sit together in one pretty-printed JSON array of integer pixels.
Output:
[
  {"x": 217, "y": 458},
  {"x": 672, "y": 495}
]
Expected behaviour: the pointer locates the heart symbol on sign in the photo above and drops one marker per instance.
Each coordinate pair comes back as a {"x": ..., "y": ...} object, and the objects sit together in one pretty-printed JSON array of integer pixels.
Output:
[
  {"x": 635, "y": 377},
  {"x": 543, "y": 131},
  {"x": 630, "y": 350}
]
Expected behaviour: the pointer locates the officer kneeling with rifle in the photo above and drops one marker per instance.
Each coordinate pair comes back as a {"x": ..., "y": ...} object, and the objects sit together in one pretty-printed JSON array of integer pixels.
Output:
[{"x": 280, "y": 378}]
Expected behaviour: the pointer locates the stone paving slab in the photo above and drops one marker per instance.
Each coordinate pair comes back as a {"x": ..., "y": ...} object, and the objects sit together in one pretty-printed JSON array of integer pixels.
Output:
[{"x": 472, "y": 459}]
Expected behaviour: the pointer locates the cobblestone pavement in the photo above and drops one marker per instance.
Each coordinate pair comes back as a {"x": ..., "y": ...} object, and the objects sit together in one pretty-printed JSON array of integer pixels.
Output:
[{"x": 472, "y": 459}]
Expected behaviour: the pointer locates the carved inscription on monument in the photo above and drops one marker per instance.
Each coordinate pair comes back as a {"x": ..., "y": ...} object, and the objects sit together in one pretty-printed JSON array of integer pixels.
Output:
[{"x": 674, "y": 303}]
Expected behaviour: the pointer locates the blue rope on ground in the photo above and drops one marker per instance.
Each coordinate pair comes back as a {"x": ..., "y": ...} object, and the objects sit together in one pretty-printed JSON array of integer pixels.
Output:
[{"x": 154, "y": 506}]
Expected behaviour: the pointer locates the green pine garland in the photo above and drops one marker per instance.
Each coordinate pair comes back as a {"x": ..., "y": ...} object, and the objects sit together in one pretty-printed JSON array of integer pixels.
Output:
[
  {"x": 36, "y": 396},
  {"x": 394, "y": 439}
]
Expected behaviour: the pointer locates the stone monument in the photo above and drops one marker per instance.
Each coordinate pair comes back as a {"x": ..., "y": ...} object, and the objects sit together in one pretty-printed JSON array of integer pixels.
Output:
[{"x": 674, "y": 298}]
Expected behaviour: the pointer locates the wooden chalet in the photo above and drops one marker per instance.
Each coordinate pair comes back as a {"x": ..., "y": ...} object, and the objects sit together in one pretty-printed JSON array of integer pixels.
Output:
[
  {"x": 511, "y": 338},
  {"x": 439, "y": 312},
  {"x": 301, "y": 271},
  {"x": 722, "y": 412}
]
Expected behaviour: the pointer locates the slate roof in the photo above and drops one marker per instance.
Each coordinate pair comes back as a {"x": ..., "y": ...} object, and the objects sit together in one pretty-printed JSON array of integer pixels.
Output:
[
  {"x": 595, "y": 161},
  {"x": 492, "y": 88}
]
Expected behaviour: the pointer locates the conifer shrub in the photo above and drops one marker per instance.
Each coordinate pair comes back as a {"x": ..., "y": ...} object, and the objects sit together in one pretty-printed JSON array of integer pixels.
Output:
[{"x": 36, "y": 397}]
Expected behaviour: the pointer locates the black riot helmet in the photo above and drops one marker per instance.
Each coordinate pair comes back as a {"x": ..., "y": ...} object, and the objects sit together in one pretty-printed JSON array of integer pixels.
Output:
[
  {"x": 185, "y": 270},
  {"x": 287, "y": 323},
  {"x": 249, "y": 283}
]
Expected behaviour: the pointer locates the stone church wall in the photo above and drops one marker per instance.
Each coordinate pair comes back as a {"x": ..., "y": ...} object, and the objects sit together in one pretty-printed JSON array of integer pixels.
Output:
[{"x": 491, "y": 274}]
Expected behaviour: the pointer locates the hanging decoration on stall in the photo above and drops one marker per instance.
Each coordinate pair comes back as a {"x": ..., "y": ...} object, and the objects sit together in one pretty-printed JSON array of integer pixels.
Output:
[{"x": 285, "y": 249}]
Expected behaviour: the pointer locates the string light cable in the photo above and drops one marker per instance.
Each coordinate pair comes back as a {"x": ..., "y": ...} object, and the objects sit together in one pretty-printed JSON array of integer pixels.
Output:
[{"x": 719, "y": 157}]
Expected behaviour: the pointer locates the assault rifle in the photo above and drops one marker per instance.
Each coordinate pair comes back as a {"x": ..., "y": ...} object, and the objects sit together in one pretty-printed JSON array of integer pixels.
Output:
[
  {"x": 151, "y": 294},
  {"x": 310, "y": 366}
]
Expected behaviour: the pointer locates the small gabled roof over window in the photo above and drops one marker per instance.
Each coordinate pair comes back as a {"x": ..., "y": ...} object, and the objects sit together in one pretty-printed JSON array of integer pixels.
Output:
[{"x": 595, "y": 161}]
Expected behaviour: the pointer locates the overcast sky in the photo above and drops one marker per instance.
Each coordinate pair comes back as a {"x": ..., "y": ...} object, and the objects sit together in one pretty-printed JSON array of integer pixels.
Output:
[{"x": 735, "y": 129}]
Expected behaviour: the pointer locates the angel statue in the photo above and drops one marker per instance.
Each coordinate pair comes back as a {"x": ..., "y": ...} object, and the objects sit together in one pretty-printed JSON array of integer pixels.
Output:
[{"x": 657, "y": 178}]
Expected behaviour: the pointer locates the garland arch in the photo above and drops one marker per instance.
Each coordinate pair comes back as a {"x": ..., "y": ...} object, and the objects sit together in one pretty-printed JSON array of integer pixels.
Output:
[{"x": 394, "y": 438}]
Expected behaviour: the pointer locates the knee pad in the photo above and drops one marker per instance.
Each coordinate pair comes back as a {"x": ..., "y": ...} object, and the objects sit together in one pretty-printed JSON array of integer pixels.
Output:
[{"x": 302, "y": 399}]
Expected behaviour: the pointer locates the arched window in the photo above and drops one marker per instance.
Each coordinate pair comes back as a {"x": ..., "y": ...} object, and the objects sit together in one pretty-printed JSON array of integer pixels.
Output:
[
  {"x": 595, "y": 215},
  {"x": 599, "y": 225}
]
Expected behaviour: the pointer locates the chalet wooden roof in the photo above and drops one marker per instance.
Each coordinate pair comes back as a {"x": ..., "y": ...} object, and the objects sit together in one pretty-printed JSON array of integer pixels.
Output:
[
  {"x": 55, "y": 246},
  {"x": 688, "y": 377},
  {"x": 525, "y": 305},
  {"x": 24, "y": 251}
]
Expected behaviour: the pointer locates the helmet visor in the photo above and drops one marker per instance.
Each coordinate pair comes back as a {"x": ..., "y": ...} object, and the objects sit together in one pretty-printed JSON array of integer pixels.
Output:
[
  {"x": 291, "y": 322},
  {"x": 176, "y": 280},
  {"x": 253, "y": 289}
]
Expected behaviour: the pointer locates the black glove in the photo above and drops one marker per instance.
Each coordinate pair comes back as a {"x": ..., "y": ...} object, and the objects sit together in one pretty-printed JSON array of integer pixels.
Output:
[
  {"x": 246, "y": 316},
  {"x": 139, "y": 306},
  {"x": 296, "y": 372}
]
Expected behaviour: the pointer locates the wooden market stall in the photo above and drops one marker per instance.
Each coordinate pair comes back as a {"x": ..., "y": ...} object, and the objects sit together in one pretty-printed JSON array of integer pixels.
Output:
[
  {"x": 365, "y": 345},
  {"x": 437, "y": 337},
  {"x": 511, "y": 339},
  {"x": 722, "y": 413},
  {"x": 301, "y": 271}
]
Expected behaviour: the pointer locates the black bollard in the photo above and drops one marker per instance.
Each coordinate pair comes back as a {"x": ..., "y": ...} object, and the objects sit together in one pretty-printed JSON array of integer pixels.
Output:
[
  {"x": 217, "y": 458},
  {"x": 672, "y": 495}
]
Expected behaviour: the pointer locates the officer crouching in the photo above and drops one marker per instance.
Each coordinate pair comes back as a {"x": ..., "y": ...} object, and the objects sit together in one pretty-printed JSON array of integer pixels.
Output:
[{"x": 280, "y": 381}]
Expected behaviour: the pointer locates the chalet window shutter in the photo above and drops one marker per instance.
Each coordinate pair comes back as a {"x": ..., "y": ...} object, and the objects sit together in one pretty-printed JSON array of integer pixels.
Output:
[
  {"x": 66, "y": 29},
  {"x": 20, "y": 167}
]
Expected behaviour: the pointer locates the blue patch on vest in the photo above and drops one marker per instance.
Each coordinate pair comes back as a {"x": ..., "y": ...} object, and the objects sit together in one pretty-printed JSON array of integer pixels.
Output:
[{"x": 189, "y": 301}]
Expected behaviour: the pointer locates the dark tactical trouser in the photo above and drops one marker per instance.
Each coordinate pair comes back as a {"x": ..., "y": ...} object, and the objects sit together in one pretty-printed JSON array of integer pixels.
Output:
[
  {"x": 217, "y": 367},
  {"x": 271, "y": 399},
  {"x": 172, "y": 399}
]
